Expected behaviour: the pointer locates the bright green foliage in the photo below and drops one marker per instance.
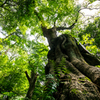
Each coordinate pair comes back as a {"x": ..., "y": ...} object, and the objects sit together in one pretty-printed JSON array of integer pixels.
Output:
[
  {"x": 85, "y": 39},
  {"x": 14, "y": 61},
  {"x": 92, "y": 48},
  {"x": 74, "y": 91},
  {"x": 54, "y": 10},
  {"x": 94, "y": 30},
  {"x": 91, "y": 1},
  {"x": 22, "y": 14},
  {"x": 12, "y": 75},
  {"x": 90, "y": 36}
]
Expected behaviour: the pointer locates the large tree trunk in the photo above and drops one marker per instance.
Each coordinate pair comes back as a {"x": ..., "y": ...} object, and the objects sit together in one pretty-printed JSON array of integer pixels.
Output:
[{"x": 68, "y": 73}]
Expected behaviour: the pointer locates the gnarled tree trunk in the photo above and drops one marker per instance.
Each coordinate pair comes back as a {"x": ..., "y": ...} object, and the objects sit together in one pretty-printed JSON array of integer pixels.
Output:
[{"x": 70, "y": 70}]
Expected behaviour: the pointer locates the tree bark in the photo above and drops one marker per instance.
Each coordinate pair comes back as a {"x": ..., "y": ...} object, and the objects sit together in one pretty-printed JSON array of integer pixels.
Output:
[{"x": 68, "y": 72}]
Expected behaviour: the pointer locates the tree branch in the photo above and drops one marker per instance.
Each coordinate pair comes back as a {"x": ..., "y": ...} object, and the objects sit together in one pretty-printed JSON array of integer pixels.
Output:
[
  {"x": 89, "y": 8},
  {"x": 27, "y": 76},
  {"x": 70, "y": 27},
  {"x": 8, "y": 36},
  {"x": 3, "y": 3}
]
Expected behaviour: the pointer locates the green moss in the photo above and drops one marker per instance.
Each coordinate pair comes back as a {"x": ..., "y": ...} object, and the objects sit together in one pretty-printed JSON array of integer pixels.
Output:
[
  {"x": 84, "y": 92},
  {"x": 83, "y": 79},
  {"x": 98, "y": 66},
  {"x": 87, "y": 78},
  {"x": 74, "y": 91}
]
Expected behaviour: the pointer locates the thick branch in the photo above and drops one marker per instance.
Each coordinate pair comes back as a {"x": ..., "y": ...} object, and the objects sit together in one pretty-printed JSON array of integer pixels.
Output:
[
  {"x": 90, "y": 71},
  {"x": 81, "y": 47},
  {"x": 50, "y": 34},
  {"x": 89, "y": 58}
]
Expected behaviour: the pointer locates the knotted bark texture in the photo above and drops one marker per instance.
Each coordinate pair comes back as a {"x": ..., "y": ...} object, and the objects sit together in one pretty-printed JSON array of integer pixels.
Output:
[{"x": 71, "y": 67}]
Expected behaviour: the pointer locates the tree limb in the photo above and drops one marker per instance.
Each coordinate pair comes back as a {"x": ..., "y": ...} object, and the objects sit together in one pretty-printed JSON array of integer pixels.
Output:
[
  {"x": 70, "y": 27},
  {"x": 89, "y": 8},
  {"x": 27, "y": 76},
  {"x": 8, "y": 35},
  {"x": 90, "y": 58},
  {"x": 3, "y": 3}
]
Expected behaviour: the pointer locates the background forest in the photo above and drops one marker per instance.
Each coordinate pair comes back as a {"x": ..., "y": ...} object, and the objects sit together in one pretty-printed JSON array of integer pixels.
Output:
[{"x": 23, "y": 47}]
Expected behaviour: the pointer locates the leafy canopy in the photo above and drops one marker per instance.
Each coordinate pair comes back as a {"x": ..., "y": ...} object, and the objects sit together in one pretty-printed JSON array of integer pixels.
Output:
[{"x": 32, "y": 13}]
